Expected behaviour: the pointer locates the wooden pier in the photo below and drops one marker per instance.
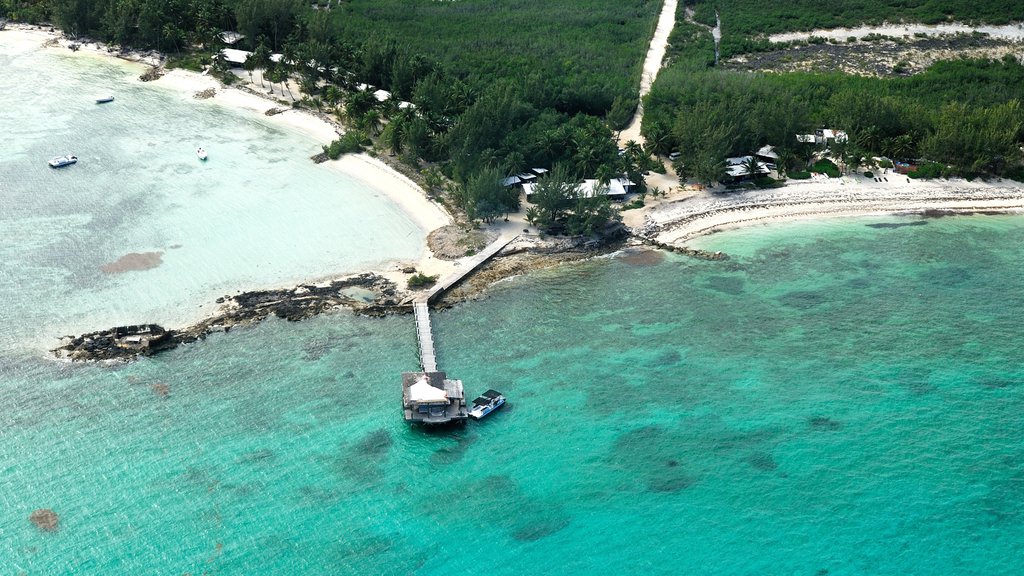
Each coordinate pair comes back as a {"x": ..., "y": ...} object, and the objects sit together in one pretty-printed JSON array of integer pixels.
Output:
[
  {"x": 424, "y": 335},
  {"x": 428, "y": 396}
]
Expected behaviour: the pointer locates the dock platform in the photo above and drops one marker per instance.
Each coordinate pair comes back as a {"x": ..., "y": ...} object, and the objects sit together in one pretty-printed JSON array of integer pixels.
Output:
[{"x": 429, "y": 396}]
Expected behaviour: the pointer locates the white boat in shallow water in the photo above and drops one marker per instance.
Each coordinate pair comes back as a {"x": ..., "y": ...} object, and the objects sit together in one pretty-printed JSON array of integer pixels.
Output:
[
  {"x": 486, "y": 403},
  {"x": 61, "y": 161},
  {"x": 201, "y": 153},
  {"x": 104, "y": 99}
]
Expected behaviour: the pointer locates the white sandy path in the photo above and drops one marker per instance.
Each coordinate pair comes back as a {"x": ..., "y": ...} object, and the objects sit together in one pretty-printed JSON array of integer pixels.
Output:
[
  {"x": 1011, "y": 32},
  {"x": 703, "y": 213},
  {"x": 652, "y": 65}
]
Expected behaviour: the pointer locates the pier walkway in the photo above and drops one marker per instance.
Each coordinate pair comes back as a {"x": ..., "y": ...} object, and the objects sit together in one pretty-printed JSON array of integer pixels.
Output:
[
  {"x": 420, "y": 405},
  {"x": 424, "y": 336},
  {"x": 470, "y": 265}
]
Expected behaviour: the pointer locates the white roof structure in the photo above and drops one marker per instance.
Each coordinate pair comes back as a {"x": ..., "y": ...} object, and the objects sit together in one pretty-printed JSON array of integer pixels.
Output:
[
  {"x": 232, "y": 56},
  {"x": 423, "y": 393},
  {"x": 838, "y": 135},
  {"x": 382, "y": 95},
  {"x": 229, "y": 37},
  {"x": 510, "y": 181},
  {"x": 403, "y": 105},
  {"x": 767, "y": 151},
  {"x": 590, "y": 187},
  {"x": 363, "y": 87},
  {"x": 738, "y": 167},
  {"x": 809, "y": 138}
]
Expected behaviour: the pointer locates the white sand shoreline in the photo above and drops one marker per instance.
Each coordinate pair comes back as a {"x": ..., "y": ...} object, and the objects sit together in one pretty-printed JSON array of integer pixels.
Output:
[
  {"x": 678, "y": 222},
  {"x": 375, "y": 174}
]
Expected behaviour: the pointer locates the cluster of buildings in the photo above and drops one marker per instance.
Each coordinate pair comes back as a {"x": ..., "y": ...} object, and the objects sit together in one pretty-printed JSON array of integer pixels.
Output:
[{"x": 616, "y": 189}]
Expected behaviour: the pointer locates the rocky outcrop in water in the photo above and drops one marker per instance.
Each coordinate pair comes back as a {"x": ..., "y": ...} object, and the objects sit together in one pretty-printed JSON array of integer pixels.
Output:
[
  {"x": 152, "y": 74},
  {"x": 292, "y": 304}
]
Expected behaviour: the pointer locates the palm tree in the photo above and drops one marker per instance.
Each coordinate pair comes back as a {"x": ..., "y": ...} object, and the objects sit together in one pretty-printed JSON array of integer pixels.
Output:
[
  {"x": 752, "y": 166},
  {"x": 249, "y": 65},
  {"x": 260, "y": 57}
]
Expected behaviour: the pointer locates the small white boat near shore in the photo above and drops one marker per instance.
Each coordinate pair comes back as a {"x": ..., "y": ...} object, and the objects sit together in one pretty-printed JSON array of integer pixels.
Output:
[
  {"x": 104, "y": 99},
  {"x": 62, "y": 161},
  {"x": 201, "y": 153}
]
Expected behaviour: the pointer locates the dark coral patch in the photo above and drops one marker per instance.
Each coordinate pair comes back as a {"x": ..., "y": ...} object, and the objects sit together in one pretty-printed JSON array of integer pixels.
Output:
[
  {"x": 539, "y": 529},
  {"x": 732, "y": 285},
  {"x": 669, "y": 483},
  {"x": 375, "y": 444},
  {"x": 44, "y": 519},
  {"x": 826, "y": 424},
  {"x": 803, "y": 299},
  {"x": 762, "y": 461},
  {"x": 643, "y": 257}
]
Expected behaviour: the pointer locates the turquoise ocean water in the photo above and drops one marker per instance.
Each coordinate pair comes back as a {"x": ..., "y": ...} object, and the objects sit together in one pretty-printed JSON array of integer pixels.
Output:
[{"x": 836, "y": 398}]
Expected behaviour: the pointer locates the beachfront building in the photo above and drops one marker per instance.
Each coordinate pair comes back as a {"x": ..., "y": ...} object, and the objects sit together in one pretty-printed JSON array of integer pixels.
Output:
[
  {"x": 743, "y": 168},
  {"x": 768, "y": 155},
  {"x": 235, "y": 57},
  {"x": 617, "y": 188}
]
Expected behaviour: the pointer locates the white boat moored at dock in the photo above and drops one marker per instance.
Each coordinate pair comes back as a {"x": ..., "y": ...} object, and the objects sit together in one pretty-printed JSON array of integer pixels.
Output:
[{"x": 486, "y": 403}]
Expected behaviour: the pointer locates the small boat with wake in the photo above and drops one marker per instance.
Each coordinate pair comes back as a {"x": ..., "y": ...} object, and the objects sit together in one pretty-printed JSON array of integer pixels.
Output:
[
  {"x": 104, "y": 99},
  {"x": 62, "y": 161},
  {"x": 486, "y": 403},
  {"x": 201, "y": 153}
]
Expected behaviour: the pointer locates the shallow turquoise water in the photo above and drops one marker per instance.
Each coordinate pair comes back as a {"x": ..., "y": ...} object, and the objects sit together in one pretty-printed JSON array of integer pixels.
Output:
[
  {"x": 836, "y": 398},
  {"x": 258, "y": 213},
  {"x": 841, "y": 398}
]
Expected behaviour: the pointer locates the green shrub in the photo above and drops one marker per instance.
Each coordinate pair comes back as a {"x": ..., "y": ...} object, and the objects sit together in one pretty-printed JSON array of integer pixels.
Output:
[
  {"x": 1016, "y": 173},
  {"x": 929, "y": 170},
  {"x": 827, "y": 167},
  {"x": 885, "y": 163},
  {"x": 766, "y": 182},
  {"x": 419, "y": 280},
  {"x": 869, "y": 174},
  {"x": 801, "y": 175},
  {"x": 353, "y": 141}
]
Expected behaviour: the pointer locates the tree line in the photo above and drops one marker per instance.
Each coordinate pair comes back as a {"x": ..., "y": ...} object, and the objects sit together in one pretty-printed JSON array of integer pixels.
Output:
[{"x": 962, "y": 113}]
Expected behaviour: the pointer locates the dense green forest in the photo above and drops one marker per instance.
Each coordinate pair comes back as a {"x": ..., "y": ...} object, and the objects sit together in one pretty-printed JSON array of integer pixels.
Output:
[
  {"x": 744, "y": 20},
  {"x": 574, "y": 56},
  {"x": 964, "y": 115}
]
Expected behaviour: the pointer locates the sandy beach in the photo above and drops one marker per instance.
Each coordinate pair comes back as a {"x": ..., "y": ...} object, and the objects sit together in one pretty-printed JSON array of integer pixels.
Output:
[
  {"x": 687, "y": 215},
  {"x": 375, "y": 174}
]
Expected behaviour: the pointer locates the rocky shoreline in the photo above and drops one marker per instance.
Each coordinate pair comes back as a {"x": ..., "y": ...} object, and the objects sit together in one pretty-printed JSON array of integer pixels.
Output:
[
  {"x": 366, "y": 294},
  {"x": 126, "y": 343}
]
